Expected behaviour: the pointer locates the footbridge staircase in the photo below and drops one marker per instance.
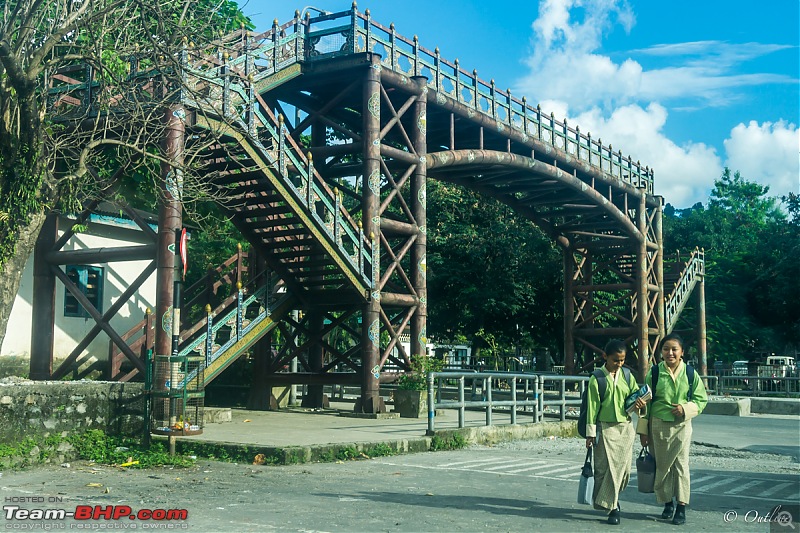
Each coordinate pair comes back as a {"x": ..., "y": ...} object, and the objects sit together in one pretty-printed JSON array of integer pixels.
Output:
[{"x": 321, "y": 134}]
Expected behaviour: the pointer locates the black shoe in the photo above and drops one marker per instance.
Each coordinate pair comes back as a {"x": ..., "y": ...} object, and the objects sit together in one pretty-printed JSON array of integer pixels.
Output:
[
  {"x": 680, "y": 515},
  {"x": 613, "y": 517},
  {"x": 668, "y": 510}
]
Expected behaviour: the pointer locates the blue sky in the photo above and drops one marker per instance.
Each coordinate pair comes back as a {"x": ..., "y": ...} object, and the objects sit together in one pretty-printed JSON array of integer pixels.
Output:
[{"x": 686, "y": 87}]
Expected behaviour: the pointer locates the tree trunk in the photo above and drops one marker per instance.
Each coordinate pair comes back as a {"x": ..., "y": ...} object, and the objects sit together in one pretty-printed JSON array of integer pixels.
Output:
[{"x": 11, "y": 271}]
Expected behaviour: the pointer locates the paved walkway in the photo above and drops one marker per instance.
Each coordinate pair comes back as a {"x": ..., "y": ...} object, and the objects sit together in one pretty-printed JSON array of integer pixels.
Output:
[
  {"x": 339, "y": 425},
  {"x": 307, "y": 427}
]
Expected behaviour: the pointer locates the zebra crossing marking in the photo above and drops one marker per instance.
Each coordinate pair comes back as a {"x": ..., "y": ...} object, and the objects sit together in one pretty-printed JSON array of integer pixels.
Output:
[
  {"x": 476, "y": 462},
  {"x": 554, "y": 470},
  {"x": 744, "y": 487},
  {"x": 570, "y": 471},
  {"x": 775, "y": 488},
  {"x": 723, "y": 481},
  {"x": 701, "y": 479},
  {"x": 506, "y": 465},
  {"x": 541, "y": 464}
]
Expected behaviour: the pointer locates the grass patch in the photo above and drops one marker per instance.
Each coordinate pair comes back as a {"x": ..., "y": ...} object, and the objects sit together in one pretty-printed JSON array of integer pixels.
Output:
[
  {"x": 380, "y": 450},
  {"x": 456, "y": 441},
  {"x": 92, "y": 445}
]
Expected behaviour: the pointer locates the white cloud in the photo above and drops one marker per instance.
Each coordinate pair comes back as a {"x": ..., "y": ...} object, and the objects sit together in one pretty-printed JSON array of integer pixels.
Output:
[
  {"x": 684, "y": 175},
  {"x": 766, "y": 153},
  {"x": 565, "y": 64},
  {"x": 625, "y": 104}
]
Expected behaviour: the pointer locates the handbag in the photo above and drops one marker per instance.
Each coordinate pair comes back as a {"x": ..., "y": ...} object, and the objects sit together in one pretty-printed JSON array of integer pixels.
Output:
[
  {"x": 646, "y": 471},
  {"x": 586, "y": 484}
]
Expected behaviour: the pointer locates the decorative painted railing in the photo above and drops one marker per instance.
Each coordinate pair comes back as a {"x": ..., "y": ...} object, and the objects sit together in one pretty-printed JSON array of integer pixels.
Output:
[
  {"x": 244, "y": 331},
  {"x": 212, "y": 289},
  {"x": 226, "y": 86},
  {"x": 323, "y": 37},
  {"x": 693, "y": 269},
  {"x": 249, "y": 311},
  {"x": 230, "y": 92}
]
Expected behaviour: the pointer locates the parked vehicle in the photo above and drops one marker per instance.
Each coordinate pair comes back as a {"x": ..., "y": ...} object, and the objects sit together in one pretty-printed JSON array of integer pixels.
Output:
[
  {"x": 777, "y": 367},
  {"x": 739, "y": 368},
  {"x": 782, "y": 365}
]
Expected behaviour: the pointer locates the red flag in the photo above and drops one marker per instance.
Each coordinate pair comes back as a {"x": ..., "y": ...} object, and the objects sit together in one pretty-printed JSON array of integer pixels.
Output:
[{"x": 184, "y": 256}]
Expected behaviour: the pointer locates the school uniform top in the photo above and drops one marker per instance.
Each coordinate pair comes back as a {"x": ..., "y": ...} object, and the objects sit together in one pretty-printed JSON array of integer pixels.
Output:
[
  {"x": 673, "y": 390},
  {"x": 612, "y": 408}
]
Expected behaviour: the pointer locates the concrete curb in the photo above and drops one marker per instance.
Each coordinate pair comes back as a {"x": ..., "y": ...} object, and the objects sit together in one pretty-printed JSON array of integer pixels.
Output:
[
  {"x": 326, "y": 453},
  {"x": 732, "y": 407},
  {"x": 775, "y": 406},
  {"x": 289, "y": 455}
]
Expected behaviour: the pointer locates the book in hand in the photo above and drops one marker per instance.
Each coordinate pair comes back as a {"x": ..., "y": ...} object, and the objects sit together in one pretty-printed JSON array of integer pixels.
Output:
[{"x": 644, "y": 393}]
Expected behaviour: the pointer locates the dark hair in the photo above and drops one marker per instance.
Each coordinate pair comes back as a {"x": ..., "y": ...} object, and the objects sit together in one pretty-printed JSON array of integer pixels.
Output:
[
  {"x": 671, "y": 337},
  {"x": 615, "y": 346}
]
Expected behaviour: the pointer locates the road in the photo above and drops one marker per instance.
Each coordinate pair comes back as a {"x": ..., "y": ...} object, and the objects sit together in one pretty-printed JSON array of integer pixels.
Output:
[
  {"x": 519, "y": 486},
  {"x": 773, "y": 434}
]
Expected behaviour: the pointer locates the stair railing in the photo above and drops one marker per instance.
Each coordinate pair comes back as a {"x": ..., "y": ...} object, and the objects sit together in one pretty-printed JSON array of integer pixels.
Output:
[
  {"x": 141, "y": 337},
  {"x": 405, "y": 56},
  {"x": 253, "y": 116},
  {"x": 676, "y": 300}
]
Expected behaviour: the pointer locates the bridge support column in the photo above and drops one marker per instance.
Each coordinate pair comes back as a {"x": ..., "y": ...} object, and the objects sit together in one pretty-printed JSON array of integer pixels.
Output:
[
  {"x": 315, "y": 396},
  {"x": 169, "y": 220},
  {"x": 569, "y": 312},
  {"x": 260, "y": 397},
  {"x": 702, "y": 355},
  {"x": 43, "y": 318},
  {"x": 370, "y": 401},
  {"x": 642, "y": 307},
  {"x": 419, "y": 334}
]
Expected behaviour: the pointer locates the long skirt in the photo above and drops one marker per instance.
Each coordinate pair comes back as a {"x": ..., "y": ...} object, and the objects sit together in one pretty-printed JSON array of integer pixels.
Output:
[
  {"x": 612, "y": 463},
  {"x": 670, "y": 443}
]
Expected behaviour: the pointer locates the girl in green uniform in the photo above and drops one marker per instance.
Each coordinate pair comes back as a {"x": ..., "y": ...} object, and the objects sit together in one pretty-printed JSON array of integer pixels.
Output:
[
  {"x": 609, "y": 430},
  {"x": 667, "y": 426}
]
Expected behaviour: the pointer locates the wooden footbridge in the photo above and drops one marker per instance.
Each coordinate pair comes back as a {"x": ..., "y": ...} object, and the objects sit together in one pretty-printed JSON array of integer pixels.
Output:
[{"x": 325, "y": 132}]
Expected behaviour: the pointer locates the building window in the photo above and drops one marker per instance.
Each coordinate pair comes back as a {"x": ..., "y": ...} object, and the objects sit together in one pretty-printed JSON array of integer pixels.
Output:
[{"x": 89, "y": 281}]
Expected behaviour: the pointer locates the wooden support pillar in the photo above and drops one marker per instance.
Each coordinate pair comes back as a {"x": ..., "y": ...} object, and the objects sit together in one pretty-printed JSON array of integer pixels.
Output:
[
  {"x": 419, "y": 335},
  {"x": 702, "y": 355},
  {"x": 642, "y": 311},
  {"x": 43, "y": 320},
  {"x": 260, "y": 397},
  {"x": 315, "y": 396},
  {"x": 370, "y": 401},
  {"x": 587, "y": 271},
  {"x": 169, "y": 220},
  {"x": 569, "y": 312}
]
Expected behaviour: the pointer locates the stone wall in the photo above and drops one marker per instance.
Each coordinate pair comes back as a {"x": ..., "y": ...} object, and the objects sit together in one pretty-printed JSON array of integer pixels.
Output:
[{"x": 41, "y": 409}]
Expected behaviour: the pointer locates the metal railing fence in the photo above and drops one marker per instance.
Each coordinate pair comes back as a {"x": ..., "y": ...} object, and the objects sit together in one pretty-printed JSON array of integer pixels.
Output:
[{"x": 508, "y": 392}]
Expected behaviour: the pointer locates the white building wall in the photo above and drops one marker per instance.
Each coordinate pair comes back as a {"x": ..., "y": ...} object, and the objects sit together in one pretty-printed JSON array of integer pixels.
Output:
[{"x": 69, "y": 331}]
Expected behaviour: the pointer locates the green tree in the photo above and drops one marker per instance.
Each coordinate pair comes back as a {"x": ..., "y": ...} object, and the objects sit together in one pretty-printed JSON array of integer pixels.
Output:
[
  {"x": 46, "y": 162},
  {"x": 490, "y": 271},
  {"x": 747, "y": 241},
  {"x": 774, "y": 293}
]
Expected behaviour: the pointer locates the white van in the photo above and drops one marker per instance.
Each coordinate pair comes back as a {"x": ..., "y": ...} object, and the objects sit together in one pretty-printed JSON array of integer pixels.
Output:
[{"x": 778, "y": 366}]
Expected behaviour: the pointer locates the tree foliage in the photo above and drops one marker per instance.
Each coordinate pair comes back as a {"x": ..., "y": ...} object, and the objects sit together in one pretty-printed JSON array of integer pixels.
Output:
[
  {"x": 751, "y": 250},
  {"x": 55, "y": 150},
  {"x": 490, "y": 271}
]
